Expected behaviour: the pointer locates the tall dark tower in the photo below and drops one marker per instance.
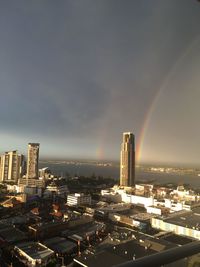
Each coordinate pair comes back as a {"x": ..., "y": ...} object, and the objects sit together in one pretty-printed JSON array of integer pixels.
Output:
[{"x": 127, "y": 160}]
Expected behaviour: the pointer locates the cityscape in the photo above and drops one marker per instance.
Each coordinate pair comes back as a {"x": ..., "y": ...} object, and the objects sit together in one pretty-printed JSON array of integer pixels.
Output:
[
  {"x": 99, "y": 140},
  {"x": 50, "y": 220}
]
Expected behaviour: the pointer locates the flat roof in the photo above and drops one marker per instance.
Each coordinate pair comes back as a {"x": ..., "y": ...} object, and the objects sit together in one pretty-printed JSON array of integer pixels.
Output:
[
  {"x": 142, "y": 216},
  {"x": 76, "y": 237},
  {"x": 177, "y": 239},
  {"x": 114, "y": 255},
  {"x": 116, "y": 207},
  {"x": 11, "y": 234},
  {"x": 60, "y": 244},
  {"x": 46, "y": 225},
  {"x": 4, "y": 226},
  {"x": 83, "y": 230},
  {"x": 35, "y": 250},
  {"x": 104, "y": 258},
  {"x": 188, "y": 219}
]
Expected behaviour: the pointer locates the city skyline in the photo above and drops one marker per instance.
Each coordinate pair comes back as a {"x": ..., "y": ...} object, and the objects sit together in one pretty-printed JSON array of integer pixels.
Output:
[{"x": 75, "y": 75}]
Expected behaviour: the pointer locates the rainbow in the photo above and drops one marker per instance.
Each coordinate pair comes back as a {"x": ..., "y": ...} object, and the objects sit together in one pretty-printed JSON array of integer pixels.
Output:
[
  {"x": 140, "y": 142},
  {"x": 167, "y": 79},
  {"x": 99, "y": 151}
]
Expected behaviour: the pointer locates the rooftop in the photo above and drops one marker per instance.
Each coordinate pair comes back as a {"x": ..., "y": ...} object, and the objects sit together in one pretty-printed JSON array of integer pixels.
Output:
[
  {"x": 177, "y": 239},
  {"x": 34, "y": 250},
  {"x": 142, "y": 216},
  {"x": 123, "y": 252},
  {"x": 11, "y": 234},
  {"x": 60, "y": 244},
  {"x": 188, "y": 219},
  {"x": 33, "y": 144},
  {"x": 116, "y": 207}
]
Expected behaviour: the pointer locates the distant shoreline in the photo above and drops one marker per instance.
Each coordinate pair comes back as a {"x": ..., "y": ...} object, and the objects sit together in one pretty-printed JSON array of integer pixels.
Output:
[{"x": 175, "y": 175}]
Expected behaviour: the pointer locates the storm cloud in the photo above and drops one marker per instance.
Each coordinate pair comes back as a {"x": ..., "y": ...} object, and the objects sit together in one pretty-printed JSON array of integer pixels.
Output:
[{"x": 75, "y": 74}]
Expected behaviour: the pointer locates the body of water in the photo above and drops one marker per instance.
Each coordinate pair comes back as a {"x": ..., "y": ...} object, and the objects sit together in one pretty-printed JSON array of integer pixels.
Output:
[{"x": 62, "y": 169}]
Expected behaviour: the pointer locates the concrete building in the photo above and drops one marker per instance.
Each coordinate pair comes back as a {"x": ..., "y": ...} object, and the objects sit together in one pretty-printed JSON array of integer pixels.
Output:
[
  {"x": 139, "y": 221},
  {"x": 32, "y": 182},
  {"x": 56, "y": 188},
  {"x": 12, "y": 167},
  {"x": 33, "y": 159},
  {"x": 115, "y": 253},
  {"x": 54, "y": 228},
  {"x": 123, "y": 196},
  {"x": 11, "y": 234},
  {"x": 127, "y": 160},
  {"x": 182, "y": 194},
  {"x": 184, "y": 223},
  {"x": 111, "y": 195},
  {"x": 158, "y": 210},
  {"x": 61, "y": 246},
  {"x": 78, "y": 199},
  {"x": 45, "y": 173},
  {"x": 33, "y": 254}
]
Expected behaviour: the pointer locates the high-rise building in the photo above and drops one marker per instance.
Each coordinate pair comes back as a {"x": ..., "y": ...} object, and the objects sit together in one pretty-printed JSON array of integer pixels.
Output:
[
  {"x": 12, "y": 166},
  {"x": 33, "y": 160},
  {"x": 127, "y": 160}
]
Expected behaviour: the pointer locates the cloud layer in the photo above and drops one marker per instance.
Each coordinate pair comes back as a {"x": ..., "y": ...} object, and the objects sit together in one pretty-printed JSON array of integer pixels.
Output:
[{"x": 75, "y": 74}]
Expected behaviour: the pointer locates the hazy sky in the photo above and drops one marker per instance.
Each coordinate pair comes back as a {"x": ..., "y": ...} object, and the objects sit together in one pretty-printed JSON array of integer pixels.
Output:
[{"x": 76, "y": 74}]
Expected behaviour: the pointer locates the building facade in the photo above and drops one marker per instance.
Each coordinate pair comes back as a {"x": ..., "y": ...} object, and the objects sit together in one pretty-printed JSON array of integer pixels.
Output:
[
  {"x": 78, "y": 199},
  {"x": 127, "y": 160},
  {"x": 178, "y": 229},
  {"x": 12, "y": 167},
  {"x": 56, "y": 189},
  {"x": 33, "y": 160}
]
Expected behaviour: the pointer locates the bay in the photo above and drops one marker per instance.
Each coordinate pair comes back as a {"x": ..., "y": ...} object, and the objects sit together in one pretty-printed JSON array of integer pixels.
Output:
[{"x": 62, "y": 169}]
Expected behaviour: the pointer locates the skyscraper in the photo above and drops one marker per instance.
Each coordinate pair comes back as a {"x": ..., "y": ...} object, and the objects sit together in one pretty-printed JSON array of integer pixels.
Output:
[
  {"x": 12, "y": 166},
  {"x": 33, "y": 159},
  {"x": 127, "y": 160}
]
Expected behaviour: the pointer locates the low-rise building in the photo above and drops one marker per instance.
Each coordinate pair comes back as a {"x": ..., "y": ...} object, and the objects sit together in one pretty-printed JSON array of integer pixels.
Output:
[
  {"x": 45, "y": 173},
  {"x": 10, "y": 234},
  {"x": 158, "y": 210},
  {"x": 50, "y": 229},
  {"x": 112, "y": 255},
  {"x": 184, "y": 223},
  {"x": 60, "y": 245},
  {"x": 56, "y": 188},
  {"x": 182, "y": 194},
  {"x": 110, "y": 195},
  {"x": 118, "y": 194},
  {"x": 33, "y": 254},
  {"x": 40, "y": 183},
  {"x": 78, "y": 199}
]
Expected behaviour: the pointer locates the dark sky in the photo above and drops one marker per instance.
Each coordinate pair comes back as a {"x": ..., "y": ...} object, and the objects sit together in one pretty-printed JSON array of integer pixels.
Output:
[{"x": 76, "y": 74}]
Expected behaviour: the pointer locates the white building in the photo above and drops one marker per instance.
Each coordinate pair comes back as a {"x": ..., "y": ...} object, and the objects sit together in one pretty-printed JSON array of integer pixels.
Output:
[
  {"x": 188, "y": 195},
  {"x": 56, "y": 189},
  {"x": 184, "y": 223},
  {"x": 122, "y": 195},
  {"x": 45, "y": 173},
  {"x": 110, "y": 195},
  {"x": 78, "y": 199},
  {"x": 15, "y": 189}
]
